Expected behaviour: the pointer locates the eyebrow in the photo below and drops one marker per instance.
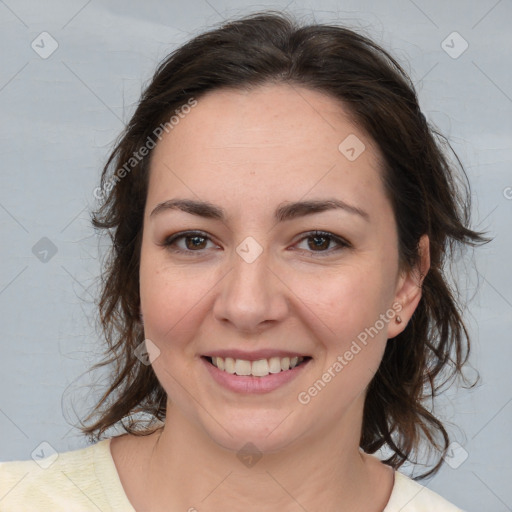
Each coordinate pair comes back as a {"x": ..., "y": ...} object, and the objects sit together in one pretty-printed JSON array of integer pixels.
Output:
[{"x": 285, "y": 212}]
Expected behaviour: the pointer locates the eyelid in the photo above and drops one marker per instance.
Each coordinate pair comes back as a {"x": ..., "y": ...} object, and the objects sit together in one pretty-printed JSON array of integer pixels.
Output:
[
  {"x": 171, "y": 239},
  {"x": 341, "y": 242}
]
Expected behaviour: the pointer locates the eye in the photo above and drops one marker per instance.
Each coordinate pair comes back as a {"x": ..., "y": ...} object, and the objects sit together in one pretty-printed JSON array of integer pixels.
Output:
[
  {"x": 198, "y": 241},
  {"x": 321, "y": 242},
  {"x": 188, "y": 241}
]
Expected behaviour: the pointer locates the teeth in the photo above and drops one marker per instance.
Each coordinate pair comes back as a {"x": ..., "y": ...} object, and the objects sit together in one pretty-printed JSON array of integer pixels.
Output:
[
  {"x": 229, "y": 364},
  {"x": 260, "y": 368},
  {"x": 274, "y": 365},
  {"x": 242, "y": 367}
]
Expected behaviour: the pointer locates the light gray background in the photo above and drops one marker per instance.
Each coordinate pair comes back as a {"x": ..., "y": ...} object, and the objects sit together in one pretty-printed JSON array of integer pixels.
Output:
[{"x": 60, "y": 116}]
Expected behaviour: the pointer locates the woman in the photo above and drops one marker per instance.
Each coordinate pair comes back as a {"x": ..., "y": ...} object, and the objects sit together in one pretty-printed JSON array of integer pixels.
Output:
[{"x": 275, "y": 303}]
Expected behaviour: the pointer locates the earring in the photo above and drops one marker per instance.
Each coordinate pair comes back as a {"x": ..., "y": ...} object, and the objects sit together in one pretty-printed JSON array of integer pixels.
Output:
[{"x": 398, "y": 320}]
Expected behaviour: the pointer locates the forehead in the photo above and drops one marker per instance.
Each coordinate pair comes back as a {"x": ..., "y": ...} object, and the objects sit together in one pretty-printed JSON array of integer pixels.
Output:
[{"x": 273, "y": 143}]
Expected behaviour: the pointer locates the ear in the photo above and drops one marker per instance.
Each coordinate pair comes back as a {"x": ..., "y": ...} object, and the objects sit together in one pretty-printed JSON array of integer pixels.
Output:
[{"x": 408, "y": 289}]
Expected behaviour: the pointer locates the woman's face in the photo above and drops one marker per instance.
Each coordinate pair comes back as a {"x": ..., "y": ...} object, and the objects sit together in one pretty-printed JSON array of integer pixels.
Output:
[{"x": 247, "y": 179}]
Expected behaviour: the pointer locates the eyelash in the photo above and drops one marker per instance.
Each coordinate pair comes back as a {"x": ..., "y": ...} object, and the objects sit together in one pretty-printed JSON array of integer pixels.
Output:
[{"x": 170, "y": 242}]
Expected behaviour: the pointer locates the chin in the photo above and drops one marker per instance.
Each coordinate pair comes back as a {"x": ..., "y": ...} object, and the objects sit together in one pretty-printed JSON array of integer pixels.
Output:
[{"x": 265, "y": 432}]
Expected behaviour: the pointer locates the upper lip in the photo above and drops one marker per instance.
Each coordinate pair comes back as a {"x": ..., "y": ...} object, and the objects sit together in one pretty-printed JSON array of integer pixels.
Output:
[{"x": 255, "y": 355}]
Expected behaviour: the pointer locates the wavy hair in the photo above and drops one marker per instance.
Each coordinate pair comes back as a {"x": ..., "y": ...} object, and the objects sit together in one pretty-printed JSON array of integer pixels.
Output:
[{"x": 429, "y": 194}]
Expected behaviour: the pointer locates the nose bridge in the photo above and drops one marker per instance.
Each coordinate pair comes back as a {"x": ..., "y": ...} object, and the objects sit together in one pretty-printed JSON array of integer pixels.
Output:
[{"x": 250, "y": 295}]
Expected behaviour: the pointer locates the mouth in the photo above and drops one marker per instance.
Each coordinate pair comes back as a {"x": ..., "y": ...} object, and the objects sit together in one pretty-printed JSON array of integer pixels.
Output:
[{"x": 257, "y": 368}]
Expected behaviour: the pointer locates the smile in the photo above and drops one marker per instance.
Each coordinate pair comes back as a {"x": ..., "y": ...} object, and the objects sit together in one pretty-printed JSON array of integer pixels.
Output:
[
  {"x": 260, "y": 373},
  {"x": 259, "y": 368}
]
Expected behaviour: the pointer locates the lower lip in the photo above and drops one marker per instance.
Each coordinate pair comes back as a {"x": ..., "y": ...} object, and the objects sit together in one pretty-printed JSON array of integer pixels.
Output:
[{"x": 251, "y": 384}]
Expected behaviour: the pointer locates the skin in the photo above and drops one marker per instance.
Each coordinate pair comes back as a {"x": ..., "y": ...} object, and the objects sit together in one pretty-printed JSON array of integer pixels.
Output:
[{"x": 249, "y": 153}]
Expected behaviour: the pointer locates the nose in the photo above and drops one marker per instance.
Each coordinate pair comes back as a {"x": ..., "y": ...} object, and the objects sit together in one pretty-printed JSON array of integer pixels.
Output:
[{"x": 252, "y": 297}]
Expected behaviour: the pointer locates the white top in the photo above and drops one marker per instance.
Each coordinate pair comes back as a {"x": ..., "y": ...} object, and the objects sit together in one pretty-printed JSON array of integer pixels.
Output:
[{"x": 87, "y": 480}]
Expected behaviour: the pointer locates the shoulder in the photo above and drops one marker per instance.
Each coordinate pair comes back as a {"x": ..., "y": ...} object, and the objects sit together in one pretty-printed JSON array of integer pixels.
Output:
[
  {"x": 75, "y": 480},
  {"x": 410, "y": 496}
]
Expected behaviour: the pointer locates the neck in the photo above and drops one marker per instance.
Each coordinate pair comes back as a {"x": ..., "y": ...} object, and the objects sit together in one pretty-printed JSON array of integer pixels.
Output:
[{"x": 321, "y": 471}]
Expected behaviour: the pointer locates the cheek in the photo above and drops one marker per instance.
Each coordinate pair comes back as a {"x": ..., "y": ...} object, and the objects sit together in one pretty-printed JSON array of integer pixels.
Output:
[
  {"x": 173, "y": 304},
  {"x": 345, "y": 319},
  {"x": 344, "y": 302},
  {"x": 171, "y": 299}
]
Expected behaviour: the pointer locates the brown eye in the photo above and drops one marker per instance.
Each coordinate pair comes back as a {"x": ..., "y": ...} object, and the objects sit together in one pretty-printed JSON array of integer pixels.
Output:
[
  {"x": 319, "y": 243},
  {"x": 188, "y": 242},
  {"x": 195, "y": 242},
  {"x": 322, "y": 243}
]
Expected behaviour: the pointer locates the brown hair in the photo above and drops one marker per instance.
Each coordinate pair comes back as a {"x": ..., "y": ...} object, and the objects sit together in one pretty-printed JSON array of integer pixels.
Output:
[{"x": 427, "y": 196}]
